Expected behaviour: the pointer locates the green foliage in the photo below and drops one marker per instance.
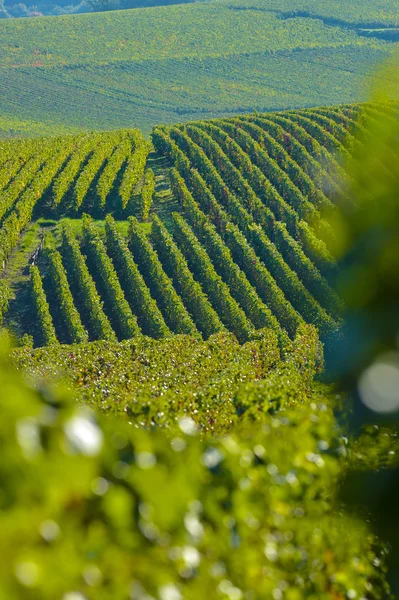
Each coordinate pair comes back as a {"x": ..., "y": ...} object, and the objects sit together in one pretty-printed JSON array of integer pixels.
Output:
[
  {"x": 64, "y": 299},
  {"x": 5, "y": 296},
  {"x": 46, "y": 332},
  {"x": 250, "y": 188},
  {"x": 259, "y": 501},
  {"x": 137, "y": 293},
  {"x": 84, "y": 289},
  {"x": 124, "y": 322},
  {"x": 188, "y": 288},
  {"x": 174, "y": 312}
]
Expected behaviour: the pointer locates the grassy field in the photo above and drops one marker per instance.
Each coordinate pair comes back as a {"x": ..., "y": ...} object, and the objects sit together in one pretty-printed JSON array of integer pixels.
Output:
[{"x": 143, "y": 67}]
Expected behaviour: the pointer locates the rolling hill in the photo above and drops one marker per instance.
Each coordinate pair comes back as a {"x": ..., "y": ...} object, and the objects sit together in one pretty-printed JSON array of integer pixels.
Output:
[{"x": 142, "y": 67}]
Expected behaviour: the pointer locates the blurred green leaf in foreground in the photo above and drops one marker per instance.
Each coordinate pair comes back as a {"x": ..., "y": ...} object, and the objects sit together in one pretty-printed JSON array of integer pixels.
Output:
[{"x": 366, "y": 357}]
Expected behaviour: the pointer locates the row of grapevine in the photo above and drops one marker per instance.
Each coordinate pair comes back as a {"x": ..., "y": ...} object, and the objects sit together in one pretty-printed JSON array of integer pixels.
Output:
[
  {"x": 122, "y": 318},
  {"x": 174, "y": 312},
  {"x": 64, "y": 299},
  {"x": 175, "y": 265},
  {"x": 142, "y": 202},
  {"x": 110, "y": 172},
  {"x": 134, "y": 168},
  {"x": 217, "y": 291},
  {"x": 149, "y": 316},
  {"x": 45, "y": 325},
  {"x": 84, "y": 290},
  {"x": 249, "y": 262}
]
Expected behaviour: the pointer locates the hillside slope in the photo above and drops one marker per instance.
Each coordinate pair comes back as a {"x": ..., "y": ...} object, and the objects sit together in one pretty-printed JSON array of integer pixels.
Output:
[
  {"x": 105, "y": 70},
  {"x": 237, "y": 238}
]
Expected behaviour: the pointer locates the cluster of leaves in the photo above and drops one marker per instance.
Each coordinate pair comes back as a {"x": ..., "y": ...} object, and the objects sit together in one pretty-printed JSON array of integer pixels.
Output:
[{"x": 253, "y": 514}]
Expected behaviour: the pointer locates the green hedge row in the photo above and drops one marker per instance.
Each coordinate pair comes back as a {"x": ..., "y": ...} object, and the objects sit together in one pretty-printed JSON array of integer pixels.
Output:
[
  {"x": 134, "y": 168},
  {"x": 111, "y": 170},
  {"x": 142, "y": 202}
]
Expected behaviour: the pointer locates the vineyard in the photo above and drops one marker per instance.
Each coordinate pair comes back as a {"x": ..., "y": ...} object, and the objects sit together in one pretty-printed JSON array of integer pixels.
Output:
[
  {"x": 216, "y": 226},
  {"x": 155, "y": 68},
  {"x": 178, "y": 309}
]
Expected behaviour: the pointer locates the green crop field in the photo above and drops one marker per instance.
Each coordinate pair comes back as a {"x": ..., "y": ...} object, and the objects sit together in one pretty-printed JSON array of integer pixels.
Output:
[{"x": 155, "y": 68}]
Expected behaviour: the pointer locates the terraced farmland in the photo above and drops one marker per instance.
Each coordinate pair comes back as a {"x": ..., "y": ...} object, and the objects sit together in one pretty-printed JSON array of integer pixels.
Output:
[{"x": 235, "y": 237}]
